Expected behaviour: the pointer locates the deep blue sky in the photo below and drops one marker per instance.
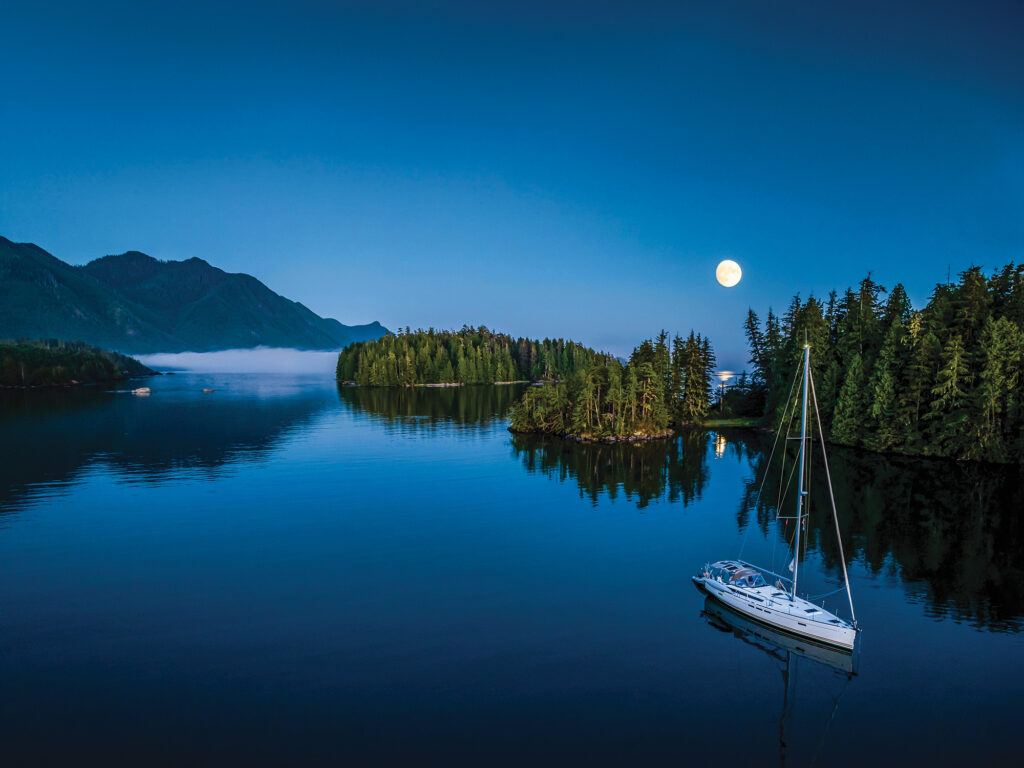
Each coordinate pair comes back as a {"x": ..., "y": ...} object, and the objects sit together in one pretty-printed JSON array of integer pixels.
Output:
[{"x": 544, "y": 169}]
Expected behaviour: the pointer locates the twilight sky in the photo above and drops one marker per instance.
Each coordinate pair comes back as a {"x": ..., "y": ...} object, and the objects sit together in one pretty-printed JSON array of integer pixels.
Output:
[{"x": 546, "y": 169}]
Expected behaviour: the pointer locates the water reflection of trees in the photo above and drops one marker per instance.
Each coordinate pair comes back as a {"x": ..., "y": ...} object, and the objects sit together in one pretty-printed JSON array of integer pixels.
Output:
[
  {"x": 417, "y": 408},
  {"x": 950, "y": 529},
  {"x": 53, "y": 436},
  {"x": 952, "y": 532},
  {"x": 675, "y": 470}
]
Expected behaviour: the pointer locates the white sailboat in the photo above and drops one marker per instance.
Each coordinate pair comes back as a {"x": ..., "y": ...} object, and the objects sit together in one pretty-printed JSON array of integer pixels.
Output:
[{"x": 769, "y": 597}]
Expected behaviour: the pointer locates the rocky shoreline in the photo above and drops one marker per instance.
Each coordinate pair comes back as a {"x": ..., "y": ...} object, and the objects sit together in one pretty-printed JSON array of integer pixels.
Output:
[
  {"x": 607, "y": 439},
  {"x": 75, "y": 383},
  {"x": 435, "y": 385}
]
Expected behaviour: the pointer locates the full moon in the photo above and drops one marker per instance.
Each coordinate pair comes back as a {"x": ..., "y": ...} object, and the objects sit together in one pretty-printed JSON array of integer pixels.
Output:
[{"x": 728, "y": 273}]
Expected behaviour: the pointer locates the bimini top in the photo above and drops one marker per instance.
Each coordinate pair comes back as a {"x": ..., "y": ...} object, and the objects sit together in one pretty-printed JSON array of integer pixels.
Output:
[{"x": 738, "y": 574}]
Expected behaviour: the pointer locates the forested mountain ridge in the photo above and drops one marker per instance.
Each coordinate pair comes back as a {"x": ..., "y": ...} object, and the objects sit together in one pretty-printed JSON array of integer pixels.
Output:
[
  {"x": 135, "y": 303},
  {"x": 942, "y": 381},
  {"x": 42, "y": 297},
  {"x": 467, "y": 356}
]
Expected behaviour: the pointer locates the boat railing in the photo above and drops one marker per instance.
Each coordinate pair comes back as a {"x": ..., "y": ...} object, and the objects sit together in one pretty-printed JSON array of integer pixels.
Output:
[{"x": 765, "y": 570}]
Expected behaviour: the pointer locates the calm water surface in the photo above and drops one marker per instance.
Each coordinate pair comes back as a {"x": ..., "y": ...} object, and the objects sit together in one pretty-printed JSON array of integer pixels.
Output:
[{"x": 282, "y": 572}]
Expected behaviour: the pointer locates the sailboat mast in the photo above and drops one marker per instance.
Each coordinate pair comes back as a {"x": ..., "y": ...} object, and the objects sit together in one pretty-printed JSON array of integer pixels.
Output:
[{"x": 801, "y": 493}]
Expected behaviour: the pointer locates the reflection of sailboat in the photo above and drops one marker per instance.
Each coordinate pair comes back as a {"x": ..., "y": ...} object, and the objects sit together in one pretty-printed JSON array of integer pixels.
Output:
[
  {"x": 774, "y": 600},
  {"x": 775, "y": 642},
  {"x": 786, "y": 649}
]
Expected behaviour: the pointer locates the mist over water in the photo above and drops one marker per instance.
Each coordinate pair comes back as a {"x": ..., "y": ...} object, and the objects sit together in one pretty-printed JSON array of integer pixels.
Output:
[{"x": 257, "y": 360}]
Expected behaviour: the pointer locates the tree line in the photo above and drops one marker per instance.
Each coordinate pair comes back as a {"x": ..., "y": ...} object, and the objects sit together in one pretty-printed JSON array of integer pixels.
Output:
[
  {"x": 467, "y": 356},
  {"x": 666, "y": 382},
  {"x": 51, "y": 362},
  {"x": 940, "y": 381}
]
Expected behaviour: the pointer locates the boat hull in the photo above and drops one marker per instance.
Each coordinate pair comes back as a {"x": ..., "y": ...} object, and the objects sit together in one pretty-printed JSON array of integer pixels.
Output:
[
  {"x": 779, "y": 615},
  {"x": 768, "y": 638}
]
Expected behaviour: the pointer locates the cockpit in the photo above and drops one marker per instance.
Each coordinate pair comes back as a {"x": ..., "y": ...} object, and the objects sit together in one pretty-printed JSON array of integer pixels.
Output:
[
  {"x": 737, "y": 574},
  {"x": 747, "y": 577}
]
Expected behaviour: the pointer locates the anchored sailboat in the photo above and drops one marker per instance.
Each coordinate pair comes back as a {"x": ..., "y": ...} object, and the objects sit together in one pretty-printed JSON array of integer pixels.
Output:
[{"x": 769, "y": 597}]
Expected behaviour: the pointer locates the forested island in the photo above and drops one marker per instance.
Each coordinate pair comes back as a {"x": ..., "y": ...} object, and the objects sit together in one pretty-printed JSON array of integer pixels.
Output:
[
  {"x": 665, "y": 383},
  {"x": 468, "y": 356},
  {"x": 49, "y": 362},
  {"x": 942, "y": 381}
]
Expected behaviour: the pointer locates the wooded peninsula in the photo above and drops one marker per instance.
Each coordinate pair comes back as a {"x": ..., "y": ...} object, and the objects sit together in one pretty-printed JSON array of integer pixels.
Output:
[{"x": 49, "y": 363}]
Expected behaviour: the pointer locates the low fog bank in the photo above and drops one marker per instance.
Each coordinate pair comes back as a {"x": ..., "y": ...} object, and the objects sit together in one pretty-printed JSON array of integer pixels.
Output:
[{"x": 258, "y": 360}]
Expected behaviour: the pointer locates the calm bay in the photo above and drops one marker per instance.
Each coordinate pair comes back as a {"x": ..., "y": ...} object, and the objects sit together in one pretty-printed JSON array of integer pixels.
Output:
[{"x": 285, "y": 571}]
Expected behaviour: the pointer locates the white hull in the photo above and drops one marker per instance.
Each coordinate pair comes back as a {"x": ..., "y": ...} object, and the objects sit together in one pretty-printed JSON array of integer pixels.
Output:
[
  {"x": 770, "y": 639},
  {"x": 776, "y": 608}
]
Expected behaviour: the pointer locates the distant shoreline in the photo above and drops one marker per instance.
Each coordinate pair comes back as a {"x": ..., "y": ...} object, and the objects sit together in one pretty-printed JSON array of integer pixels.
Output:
[
  {"x": 27, "y": 364},
  {"x": 74, "y": 384}
]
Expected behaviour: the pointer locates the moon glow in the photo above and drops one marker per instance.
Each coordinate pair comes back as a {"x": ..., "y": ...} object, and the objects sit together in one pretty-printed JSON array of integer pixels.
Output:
[{"x": 728, "y": 273}]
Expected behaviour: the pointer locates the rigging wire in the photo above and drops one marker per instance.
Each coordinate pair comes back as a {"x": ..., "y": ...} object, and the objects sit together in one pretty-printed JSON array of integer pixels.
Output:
[
  {"x": 784, "y": 488},
  {"x": 757, "y": 499},
  {"x": 832, "y": 498},
  {"x": 809, "y": 452}
]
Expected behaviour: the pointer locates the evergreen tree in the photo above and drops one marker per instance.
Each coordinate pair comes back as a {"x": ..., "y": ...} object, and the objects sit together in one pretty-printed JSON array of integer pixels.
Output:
[
  {"x": 848, "y": 421},
  {"x": 694, "y": 402},
  {"x": 917, "y": 378},
  {"x": 678, "y": 386},
  {"x": 948, "y": 411},
  {"x": 662, "y": 361},
  {"x": 885, "y": 426},
  {"x": 1003, "y": 345},
  {"x": 758, "y": 351},
  {"x": 710, "y": 363}
]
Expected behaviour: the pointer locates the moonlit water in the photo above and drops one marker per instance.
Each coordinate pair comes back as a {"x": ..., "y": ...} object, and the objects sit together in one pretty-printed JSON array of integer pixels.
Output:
[{"x": 281, "y": 571}]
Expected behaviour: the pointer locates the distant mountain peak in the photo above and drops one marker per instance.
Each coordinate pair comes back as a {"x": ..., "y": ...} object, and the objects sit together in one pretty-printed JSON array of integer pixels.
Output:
[
  {"x": 133, "y": 302},
  {"x": 127, "y": 256}
]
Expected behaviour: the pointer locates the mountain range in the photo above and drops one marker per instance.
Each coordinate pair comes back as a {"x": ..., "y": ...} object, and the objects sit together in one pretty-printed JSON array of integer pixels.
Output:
[{"x": 136, "y": 304}]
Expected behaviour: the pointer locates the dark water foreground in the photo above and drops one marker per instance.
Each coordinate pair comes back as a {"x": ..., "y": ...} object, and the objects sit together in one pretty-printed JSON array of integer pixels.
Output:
[{"x": 283, "y": 573}]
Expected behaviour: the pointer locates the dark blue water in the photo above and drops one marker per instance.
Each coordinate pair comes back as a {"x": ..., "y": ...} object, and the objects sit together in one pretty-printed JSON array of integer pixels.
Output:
[{"x": 280, "y": 572}]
